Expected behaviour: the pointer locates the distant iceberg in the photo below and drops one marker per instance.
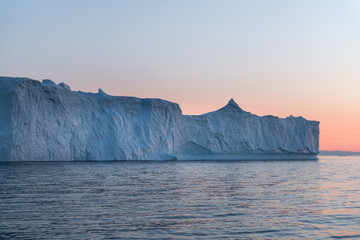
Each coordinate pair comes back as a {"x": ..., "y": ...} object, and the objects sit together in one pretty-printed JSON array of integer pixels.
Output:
[{"x": 43, "y": 121}]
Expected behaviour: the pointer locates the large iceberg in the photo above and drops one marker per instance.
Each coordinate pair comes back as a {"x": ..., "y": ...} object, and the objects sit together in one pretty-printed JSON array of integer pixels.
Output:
[{"x": 43, "y": 121}]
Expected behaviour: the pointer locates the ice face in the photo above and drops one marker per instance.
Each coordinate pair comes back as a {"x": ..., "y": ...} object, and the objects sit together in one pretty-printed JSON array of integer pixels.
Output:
[{"x": 45, "y": 121}]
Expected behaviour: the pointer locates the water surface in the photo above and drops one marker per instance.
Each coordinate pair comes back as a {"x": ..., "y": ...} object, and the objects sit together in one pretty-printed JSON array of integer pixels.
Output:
[{"x": 181, "y": 199}]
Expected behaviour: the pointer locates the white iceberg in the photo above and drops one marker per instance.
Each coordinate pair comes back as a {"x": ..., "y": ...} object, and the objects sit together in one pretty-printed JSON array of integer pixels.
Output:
[{"x": 43, "y": 121}]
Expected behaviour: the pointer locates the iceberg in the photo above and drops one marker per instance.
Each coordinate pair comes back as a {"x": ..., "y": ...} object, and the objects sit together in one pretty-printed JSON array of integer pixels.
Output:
[{"x": 45, "y": 121}]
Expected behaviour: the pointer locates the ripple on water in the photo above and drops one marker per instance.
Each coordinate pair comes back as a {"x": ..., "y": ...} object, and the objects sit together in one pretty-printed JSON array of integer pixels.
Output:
[{"x": 160, "y": 200}]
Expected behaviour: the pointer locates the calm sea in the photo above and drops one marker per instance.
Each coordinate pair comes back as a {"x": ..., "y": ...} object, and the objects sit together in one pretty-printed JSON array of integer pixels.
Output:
[{"x": 181, "y": 199}]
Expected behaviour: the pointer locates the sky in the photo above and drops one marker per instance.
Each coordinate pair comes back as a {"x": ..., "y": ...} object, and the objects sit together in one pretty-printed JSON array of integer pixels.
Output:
[{"x": 274, "y": 57}]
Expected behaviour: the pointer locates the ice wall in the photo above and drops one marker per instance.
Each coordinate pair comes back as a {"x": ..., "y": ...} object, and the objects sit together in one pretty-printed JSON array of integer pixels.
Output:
[{"x": 42, "y": 121}]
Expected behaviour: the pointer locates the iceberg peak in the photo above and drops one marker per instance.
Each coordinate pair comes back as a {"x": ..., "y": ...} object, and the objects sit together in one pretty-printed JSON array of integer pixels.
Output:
[
  {"x": 102, "y": 93},
  {"x": 232, "y": 105},
  {"x": 232, "y": 102}
]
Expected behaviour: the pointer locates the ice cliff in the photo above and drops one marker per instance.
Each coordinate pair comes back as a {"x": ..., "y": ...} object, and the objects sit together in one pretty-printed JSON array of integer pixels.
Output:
[{"x": 43, "y": 121}]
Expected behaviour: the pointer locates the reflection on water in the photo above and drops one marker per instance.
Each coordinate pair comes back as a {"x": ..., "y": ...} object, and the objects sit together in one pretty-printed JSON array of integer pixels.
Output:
[{"x": 204, "y": 200}]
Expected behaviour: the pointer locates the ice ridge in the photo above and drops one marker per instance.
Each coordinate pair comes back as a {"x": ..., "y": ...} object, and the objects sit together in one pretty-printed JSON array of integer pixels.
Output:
[{"x": 43, "y": 121}]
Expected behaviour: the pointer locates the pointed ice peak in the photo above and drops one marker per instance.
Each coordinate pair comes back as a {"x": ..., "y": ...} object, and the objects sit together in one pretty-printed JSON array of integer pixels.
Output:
[
  {"x": 232, "y": 103},
  {"x": 101, "y": 92},
  {"x": 232, "y": 106}
]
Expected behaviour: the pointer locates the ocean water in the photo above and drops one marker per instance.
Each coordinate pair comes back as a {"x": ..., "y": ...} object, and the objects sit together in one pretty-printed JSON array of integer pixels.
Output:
[{"x": 181, "y": 199}]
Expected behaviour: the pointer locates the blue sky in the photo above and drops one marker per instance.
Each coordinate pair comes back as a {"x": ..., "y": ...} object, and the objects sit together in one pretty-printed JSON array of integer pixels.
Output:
[{"x": 272, "y": 56}]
